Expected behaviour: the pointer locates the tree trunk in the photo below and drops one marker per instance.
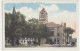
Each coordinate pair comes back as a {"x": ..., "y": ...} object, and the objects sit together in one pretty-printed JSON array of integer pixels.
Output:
[
  {"x": 67, "y": 40},
  {"x": 17, "y": 41},
  {"x": 39, "y": 41},
  {"x": 12, "y": 42},
  {"x": 59, "y": 43},
  {"x": 71, "y": 39},
  {"x": 35, "y": 42}
]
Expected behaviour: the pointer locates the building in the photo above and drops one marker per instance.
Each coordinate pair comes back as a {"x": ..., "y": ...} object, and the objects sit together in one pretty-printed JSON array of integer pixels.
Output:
[
  {"x": 58, "y": 32},
  {"x": 43, "y": 17},
  {"x": 57, "y": 29}
]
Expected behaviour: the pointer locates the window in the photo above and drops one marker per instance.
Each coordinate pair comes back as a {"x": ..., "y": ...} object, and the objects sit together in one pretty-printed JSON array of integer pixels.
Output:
[
  {"x": 54, "y": 39},
  {"x": 52, "y": 32},
  {"x": 58, "y": 40},
  {"x": 58, "y": 34}
]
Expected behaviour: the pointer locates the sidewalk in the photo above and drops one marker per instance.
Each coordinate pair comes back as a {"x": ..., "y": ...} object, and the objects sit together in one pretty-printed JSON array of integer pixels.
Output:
[{"x": 57, "y": 45}]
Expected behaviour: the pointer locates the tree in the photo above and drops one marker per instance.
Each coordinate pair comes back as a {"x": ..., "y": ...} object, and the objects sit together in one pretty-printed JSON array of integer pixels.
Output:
[
  {"x": 16, "y": 26},
  {"x": 14, "y": 23},
  {"x": 38, "y": 31},
  {"x": 7, "y": 23},
  {"x": 43, "y": 32},
  {"x": 68, "y": 31}
]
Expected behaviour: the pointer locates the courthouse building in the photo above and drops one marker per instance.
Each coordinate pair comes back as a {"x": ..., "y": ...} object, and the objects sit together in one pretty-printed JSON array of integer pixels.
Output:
[{"x": 57, "y": 29}]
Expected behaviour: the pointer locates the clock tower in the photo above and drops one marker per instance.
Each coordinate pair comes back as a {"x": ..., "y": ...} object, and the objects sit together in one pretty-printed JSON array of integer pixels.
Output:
[{"x": 43, "y": 16}]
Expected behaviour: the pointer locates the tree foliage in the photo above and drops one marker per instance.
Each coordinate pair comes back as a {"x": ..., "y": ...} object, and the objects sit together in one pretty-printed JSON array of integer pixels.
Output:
[
  {"x": 16, "y": 26},
  {"x": 37, "y": 30},
  {"x": 68, "y": 31}
]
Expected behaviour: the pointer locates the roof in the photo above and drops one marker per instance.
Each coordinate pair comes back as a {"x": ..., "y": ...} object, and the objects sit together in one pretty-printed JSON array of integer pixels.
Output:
[
  {"x": 52, "y": 24},
  {"x": 43, "y": 11}
]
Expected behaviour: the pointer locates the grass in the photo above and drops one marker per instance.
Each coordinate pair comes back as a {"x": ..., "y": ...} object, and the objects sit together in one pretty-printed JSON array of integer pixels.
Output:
[{"x": 10, "y": 46}]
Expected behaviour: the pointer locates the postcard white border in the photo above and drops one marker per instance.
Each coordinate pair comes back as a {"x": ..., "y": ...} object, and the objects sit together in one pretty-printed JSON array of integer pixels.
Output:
[{"x": 48, "y": 48}]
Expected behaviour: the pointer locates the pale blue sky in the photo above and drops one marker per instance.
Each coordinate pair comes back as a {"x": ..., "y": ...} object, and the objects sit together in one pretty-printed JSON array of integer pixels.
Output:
[{"x": 71, "y": 7}]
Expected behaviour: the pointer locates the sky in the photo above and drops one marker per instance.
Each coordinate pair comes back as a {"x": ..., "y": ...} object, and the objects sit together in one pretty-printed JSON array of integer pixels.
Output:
[{"x": 57, "y": 12}]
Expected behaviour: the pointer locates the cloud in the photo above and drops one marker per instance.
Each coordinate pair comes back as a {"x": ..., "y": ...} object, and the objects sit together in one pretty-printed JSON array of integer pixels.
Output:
[
  {"x": 10, "y": 11},
  {"x": 64, "y": 16},
  {"x": 28, "y": 12},
  {"x": 50, "y": 8}
]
